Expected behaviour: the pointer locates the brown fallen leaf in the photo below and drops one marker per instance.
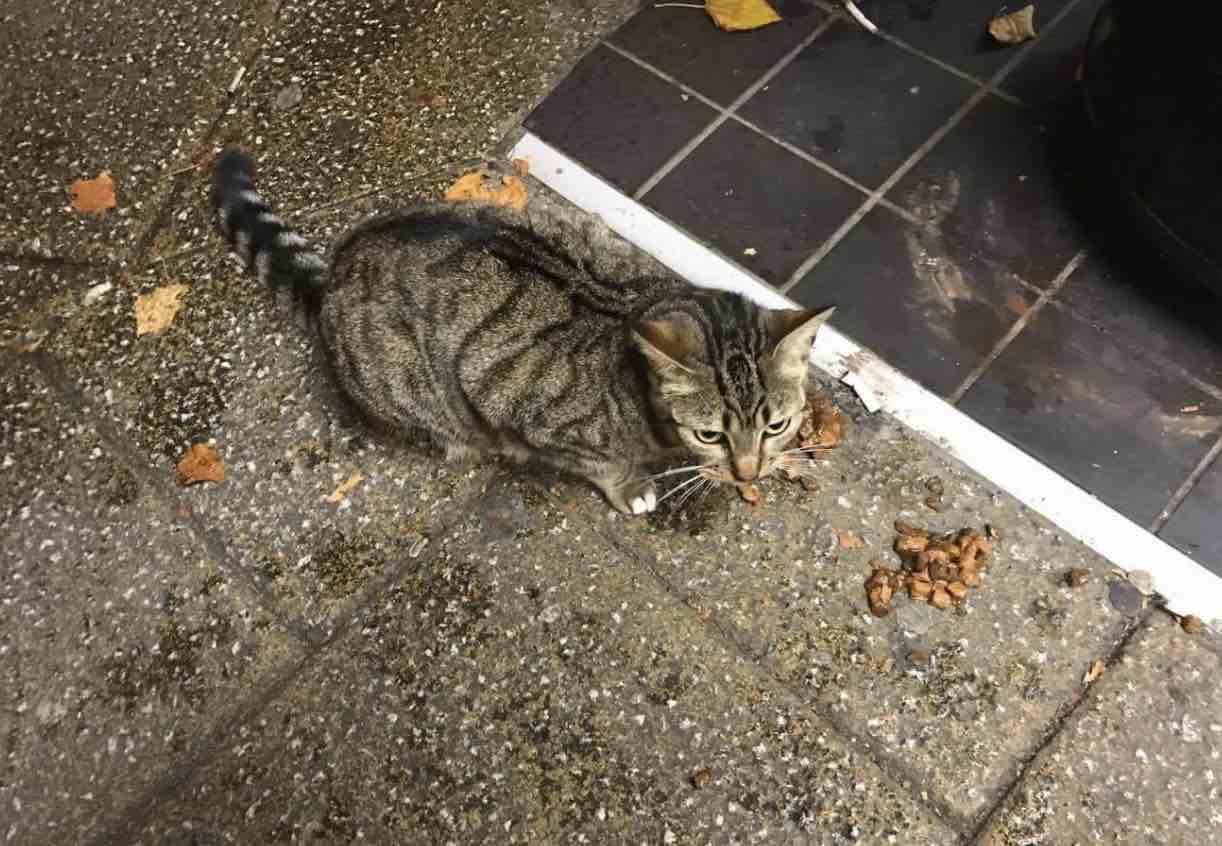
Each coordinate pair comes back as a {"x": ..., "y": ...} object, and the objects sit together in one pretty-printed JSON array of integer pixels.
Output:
[
  {"x": 849, "y": 540},
  {"x": 200, "y": 463},
  {"x": 521, "y": 166},
  {"x": 1191, "y": 624},
  {"x": 1015, "y": 27},
  {"x": 1096, "y": 670},
  {"x": 737, "y": 15},
  {"x": 156, "y": 310},
  {"x": 92, "y": 196},
  {"x": 484, "y": 186},
  {"x": 346, "y": 486}
]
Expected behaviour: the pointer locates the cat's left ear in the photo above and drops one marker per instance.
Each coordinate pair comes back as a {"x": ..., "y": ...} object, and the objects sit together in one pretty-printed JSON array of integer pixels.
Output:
[{"x": 793, "y": 332}]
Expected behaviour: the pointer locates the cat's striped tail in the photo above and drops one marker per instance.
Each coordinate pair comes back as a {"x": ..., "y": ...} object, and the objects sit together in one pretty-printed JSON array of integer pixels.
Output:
[{"x": 265, "y": 244}]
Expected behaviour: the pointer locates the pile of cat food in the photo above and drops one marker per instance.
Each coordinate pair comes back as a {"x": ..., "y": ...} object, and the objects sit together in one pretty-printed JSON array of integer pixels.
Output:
[
  {"x": 822, "y": 427},
  {"x": 938, "y": 568}
]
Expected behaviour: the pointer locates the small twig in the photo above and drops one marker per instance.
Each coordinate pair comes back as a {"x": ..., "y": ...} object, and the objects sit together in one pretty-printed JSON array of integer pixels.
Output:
[{"x": 859, "y": 17}]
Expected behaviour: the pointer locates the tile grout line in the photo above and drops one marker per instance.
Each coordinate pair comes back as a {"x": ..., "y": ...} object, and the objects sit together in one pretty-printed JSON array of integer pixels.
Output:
[
  {"x": 1019, "y": 325},
  {"x": 1181, "y": 493},
  {"x": 941, "y": 132},
  {"x": 726, "y": 111}
]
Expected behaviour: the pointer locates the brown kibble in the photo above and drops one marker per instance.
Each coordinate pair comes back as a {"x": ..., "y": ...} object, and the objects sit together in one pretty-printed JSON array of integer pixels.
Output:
[
  {"x": 1077, "y": 577},
  {"x": 1096, "y": 670},
  {"x": 200, "y": 464},
  {"x": 750, "y": 494},
  {"x": 905, "y": 528},
  {"x": 1191, "y": 624},
  {"x": 919, "y": 589},
  {"x": 957, "y": 591},
  {"x": 934, "y": 503},
  {"x": 489, "y": 188},
  {"x": 970, "y": 578},
  {"x": 701, "y": 778},
  {"x": 521, "y": 166},
  {"x": 849, "y": 540},
  {"x": 941, "y": 598},
  {"x": 880, "y": 587},
  {"x": 910, "y": 546}
]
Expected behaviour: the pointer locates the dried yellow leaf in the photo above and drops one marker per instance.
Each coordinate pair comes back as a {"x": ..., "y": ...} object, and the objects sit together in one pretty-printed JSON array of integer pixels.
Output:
[
  {"x": 732, "y": 15},
  {"x": 155, "y": 311},
  {"x": 346, "y": 487},
  {"x": 483, "y": 186}
]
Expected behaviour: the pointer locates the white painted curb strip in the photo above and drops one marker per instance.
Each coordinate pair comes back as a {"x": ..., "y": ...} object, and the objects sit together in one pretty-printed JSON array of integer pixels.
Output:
[{"x": 1188, "y": 587}]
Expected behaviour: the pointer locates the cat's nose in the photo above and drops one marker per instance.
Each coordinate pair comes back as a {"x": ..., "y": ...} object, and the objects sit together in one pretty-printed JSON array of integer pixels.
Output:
[{"x": 746, "y": 468}]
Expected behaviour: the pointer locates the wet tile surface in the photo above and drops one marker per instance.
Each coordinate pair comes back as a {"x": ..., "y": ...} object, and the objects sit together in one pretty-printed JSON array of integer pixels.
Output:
[
  {"x": 1096, "y": 412},
  {"x": 1193, "y": 526},
  {"x": 618, "y": 119},
  {"x": 955, "y": 31},
  {"x": 901, "y": 290},
  {"x": 857, "y": 102},
  {"x": 993, "y": 187},
  {"x": 739, "y": 191},
  {"x": 1047, "y": 76},
  {"x": 719, "y": 65}
]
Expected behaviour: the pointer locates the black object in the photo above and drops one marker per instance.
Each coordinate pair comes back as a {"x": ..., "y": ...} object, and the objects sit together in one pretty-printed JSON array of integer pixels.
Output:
[{"x": 1152, "y": 82}]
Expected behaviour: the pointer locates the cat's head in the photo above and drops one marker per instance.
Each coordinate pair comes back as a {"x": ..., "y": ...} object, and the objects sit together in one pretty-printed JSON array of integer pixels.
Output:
[{"x": 731, "y": 377}]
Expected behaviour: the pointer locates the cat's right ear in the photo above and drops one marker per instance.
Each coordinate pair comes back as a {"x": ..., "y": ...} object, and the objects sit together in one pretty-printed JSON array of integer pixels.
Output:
[{"x": 667, "y": 345}]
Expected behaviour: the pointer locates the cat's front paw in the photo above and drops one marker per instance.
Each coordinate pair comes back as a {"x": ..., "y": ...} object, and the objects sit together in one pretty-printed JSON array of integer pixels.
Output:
[{"x": 632, "y": 498}]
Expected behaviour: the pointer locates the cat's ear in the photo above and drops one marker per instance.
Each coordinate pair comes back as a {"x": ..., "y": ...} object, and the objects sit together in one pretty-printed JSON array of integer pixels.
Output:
[
  {"x": 793, "y": 332},
  {"x": 670, "y": 342},
  {"x": 672, "y": 346}
]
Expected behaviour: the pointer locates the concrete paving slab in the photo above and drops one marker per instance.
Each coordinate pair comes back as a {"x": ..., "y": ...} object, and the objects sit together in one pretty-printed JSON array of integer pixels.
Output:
[
  {"x": 90, "y": 87},
  {"x": 1138, "y": 762},
  {"x": 390, "y": 91},
  {"x": 234, "y": 371},
  {"x": 122, "y": 640},
  {"x": 923, "y": 687},
  {"x": 525, "y": 682}
]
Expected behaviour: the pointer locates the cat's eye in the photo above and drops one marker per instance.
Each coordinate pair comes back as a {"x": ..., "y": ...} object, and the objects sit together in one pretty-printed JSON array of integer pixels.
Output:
[
  {"x": 777, "y": 426},
  {"x": 708, "y": 436}
]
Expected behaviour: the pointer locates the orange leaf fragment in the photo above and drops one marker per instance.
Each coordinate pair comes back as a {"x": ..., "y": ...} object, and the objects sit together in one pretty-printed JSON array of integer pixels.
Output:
[
  {"x": 521, "y": 166},
  {"x": 484, "y": 186},
  {"x": 93, "y": 196},
  {"x": 346, "y": 487},
  {"x": 156, "y": 310},
  {"x": 200, "y": 464}
]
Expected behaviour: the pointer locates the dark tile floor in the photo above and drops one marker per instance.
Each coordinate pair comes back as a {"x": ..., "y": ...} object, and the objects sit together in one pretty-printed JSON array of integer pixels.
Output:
[{"x": 931, "y": 185}]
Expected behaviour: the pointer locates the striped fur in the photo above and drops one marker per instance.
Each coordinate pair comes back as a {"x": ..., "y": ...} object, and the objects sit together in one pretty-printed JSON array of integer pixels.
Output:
[{"x": 538, "y": 335}]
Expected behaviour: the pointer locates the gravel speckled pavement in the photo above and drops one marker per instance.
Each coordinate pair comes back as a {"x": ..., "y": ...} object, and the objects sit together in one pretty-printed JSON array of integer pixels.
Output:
[{"x": 470, "y": 654}]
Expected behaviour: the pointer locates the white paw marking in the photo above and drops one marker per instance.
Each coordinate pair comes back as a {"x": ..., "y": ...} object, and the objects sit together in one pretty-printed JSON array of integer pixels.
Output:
[{"x": 644, "y": 504}]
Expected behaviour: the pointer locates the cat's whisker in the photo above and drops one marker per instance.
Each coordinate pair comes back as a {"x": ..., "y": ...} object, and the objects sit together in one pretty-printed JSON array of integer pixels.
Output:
[
  {"x": 690, "y": 492},
  {"x": 684, "y": 484},
  {"x": 691, "y": 468}
]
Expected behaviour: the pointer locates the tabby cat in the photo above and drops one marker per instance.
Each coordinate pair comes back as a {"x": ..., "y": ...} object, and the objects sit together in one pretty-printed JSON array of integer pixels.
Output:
[{"x": 531, "y": 336}]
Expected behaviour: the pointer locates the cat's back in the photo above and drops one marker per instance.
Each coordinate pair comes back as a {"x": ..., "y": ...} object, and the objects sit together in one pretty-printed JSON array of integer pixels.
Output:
[{"x": 445, "y": 302}]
